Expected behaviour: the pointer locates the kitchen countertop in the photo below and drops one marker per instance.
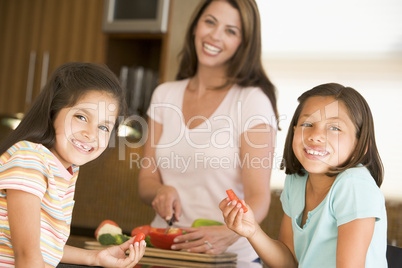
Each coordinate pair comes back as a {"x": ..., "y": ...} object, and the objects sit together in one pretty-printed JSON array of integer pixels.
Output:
[{"x": 155, "y": 258}]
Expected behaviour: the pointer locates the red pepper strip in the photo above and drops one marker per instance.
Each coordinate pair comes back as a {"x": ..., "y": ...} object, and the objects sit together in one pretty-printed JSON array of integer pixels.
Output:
[{"x": 233, "y": 197}]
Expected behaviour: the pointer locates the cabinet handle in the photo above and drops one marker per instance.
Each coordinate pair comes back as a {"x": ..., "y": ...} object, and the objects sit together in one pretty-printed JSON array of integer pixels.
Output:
[
  {"x": 31, "y": 74},
  {"x": 45, "y": 69}
]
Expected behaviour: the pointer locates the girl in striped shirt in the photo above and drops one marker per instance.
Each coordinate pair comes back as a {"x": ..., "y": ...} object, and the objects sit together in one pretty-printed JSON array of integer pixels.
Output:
[{"x": 69, "y": 124}]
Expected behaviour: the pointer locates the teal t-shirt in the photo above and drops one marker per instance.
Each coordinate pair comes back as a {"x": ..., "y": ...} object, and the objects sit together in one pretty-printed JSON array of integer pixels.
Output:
[{"x": 353, "y": 195}]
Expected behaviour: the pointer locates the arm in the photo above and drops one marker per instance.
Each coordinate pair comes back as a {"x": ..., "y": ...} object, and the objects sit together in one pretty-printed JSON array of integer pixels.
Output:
[
  {"x": 24, "y": 210},
  {"x": 257, "y": 147},
  {"x": 164, "y": 199},
  {"x": 281, "y": 252},
  {"x": 353, "y": 242},
  {"x": 256, "y": 152},
  {"x": 110, "y": 257}
]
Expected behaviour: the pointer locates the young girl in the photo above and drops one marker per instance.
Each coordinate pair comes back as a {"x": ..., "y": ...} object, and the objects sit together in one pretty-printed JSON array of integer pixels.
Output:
[
  {"x": 69, "y": 124},
  {"x": 334, "y": 210}
]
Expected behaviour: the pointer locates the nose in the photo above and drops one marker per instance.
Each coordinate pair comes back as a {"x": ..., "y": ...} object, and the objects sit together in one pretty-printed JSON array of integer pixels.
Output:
[
  {"x": 217, "y": 33},
  {"x": 315, "y": 134},
  {"x": 89, "y": 134}
]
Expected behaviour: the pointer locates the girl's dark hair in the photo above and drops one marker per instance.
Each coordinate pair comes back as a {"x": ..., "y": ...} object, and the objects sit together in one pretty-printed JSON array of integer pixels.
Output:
[
  {"x": 245, "y": 67},
  {"x": 365, "y": 153},
  {"x": 66, "y": 85}
]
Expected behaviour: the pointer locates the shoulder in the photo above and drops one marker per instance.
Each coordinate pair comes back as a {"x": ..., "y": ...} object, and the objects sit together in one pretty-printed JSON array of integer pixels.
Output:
[
  {"x": 255, "y": 104},
  {"x": 171, "y": 87},
  {"x": 355, "y": 194},
  {"x": 28, "y": 155},
  {"x": 250, "y": 93},
  {"x": 25, "y": 167},
  {"x": 355, "y": 177},
  {"x": 22, "y": 148}
]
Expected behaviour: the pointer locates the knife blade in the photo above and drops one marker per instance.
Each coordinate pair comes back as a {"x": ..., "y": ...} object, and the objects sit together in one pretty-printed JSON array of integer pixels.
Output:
[{"x": 170, "y": 223}]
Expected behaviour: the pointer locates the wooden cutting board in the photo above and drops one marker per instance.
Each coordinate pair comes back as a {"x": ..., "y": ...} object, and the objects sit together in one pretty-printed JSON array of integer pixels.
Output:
[{"x": 163, "y": 256}]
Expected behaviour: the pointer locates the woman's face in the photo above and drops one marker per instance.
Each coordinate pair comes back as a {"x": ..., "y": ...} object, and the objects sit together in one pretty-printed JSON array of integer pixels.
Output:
[
  {"x": 83, "y": 130},
  {"x": 218, "y": 34},
  {"x": 324, "y": 136}
]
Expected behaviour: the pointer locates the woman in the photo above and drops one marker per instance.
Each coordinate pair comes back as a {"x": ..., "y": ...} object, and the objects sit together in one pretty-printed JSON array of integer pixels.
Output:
[{"x": 212, "y": 130}]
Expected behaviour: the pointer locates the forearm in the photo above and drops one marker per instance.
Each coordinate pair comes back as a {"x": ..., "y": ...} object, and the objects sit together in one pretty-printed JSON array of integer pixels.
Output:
[
  {"x": 272, "y": 252},
  {"x": 75, "y": 255},
  {"x": 29, "y": 260}
]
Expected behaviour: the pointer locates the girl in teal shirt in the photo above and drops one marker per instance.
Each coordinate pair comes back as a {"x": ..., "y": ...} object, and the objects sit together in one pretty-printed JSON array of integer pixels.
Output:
[{"x": 334, "y": 210}]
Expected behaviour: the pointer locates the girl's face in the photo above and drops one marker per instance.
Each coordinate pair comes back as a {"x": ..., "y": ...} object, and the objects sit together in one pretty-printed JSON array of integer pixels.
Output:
[
  {"x": 83, "y": 130},
  {"x": 325, "y": 136},
  {"x": 218, "y": 34}
]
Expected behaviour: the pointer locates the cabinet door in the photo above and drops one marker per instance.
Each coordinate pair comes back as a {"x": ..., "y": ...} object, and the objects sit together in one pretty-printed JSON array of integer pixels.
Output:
[
  {"x": 20, "y": 27},
  {"x": 38, "y": 36}
]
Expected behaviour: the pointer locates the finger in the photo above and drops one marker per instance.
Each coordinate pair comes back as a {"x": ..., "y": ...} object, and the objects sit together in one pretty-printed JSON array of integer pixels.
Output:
[
  {"x": 224, "y": 203},
  {"x": 232, "y": 212},
  {"x": 131, "y": 254},
  {"x": 177, "y": 209}
]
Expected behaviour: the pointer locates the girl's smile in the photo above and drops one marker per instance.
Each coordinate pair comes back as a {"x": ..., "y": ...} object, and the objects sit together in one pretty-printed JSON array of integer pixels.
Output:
[
  {"x": 83, "y": 131},
  {"x": 325, "y": 136}
]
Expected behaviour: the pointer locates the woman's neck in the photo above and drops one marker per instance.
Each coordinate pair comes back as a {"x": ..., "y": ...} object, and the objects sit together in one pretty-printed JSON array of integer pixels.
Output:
[{"x": 208, "y": 78}]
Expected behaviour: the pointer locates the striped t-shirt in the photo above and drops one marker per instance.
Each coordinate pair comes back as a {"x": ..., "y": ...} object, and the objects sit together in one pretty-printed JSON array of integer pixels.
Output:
[{"x": 32, "y": 168}]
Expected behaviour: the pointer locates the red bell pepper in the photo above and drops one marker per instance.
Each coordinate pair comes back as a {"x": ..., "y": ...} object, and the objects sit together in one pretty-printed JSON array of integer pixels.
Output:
[
  {"x": 159, "y": 239},
  {"x": 233, "y": 197},
  {"x": 141, "y": 229}
]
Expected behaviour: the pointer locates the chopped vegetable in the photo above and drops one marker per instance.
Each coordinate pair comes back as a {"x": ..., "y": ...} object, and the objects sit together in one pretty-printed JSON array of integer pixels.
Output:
[
  {"x": 107, "y": 227},
  {"x": 233, "y": 197},
  {"x": 110, "y": 239},
  {"x": 205, "y": 222}
]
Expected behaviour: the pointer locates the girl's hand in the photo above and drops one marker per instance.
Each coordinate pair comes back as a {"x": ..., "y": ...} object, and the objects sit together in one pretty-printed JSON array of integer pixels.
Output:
[
  {"x": 116, "y": 256},
  {"x": 218, "y": 238},
  {"x": 167, "y": 202},
  {"x": 242, "y": 223}
]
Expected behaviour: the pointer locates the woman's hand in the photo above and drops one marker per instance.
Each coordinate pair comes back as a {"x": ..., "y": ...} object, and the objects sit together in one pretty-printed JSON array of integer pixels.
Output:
[
  {"x": 167, "y": 202},
  {"x": 116, "y": 256},
  {"x": 243, "y": 224},
  {"x": 206, "y": 239}
]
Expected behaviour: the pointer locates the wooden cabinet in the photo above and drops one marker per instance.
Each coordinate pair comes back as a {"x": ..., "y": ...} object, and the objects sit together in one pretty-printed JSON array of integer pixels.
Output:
[
  {"x": 39, "y": 35},
  {"x": 155, "y": 51}
]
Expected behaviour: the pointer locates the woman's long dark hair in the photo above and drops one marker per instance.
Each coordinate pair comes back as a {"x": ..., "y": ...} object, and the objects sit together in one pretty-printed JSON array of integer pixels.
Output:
[
  {"x": 65, "y": 86},
  {"x": 366, "y": 151},
  {"x": 245, "y": 67}
]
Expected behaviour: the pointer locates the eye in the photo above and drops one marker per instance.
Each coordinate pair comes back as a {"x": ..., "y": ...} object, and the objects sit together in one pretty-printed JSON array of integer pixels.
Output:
[
  {"x": 81, "y": 117},
  {"x": 210, "y": 22},
  {"x": 334, "y": 128},
  {"x": 306, "y": 124},
  {"x": 104, "y": 128},
  {"x": 231, "y": 31}
]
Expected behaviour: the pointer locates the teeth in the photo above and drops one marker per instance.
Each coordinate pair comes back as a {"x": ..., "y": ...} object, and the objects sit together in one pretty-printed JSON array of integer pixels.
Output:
[
  {"x": 211, "y": 49},
  {"x": 313, "y": 152},
  {"x": 82, "y": 146}
]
